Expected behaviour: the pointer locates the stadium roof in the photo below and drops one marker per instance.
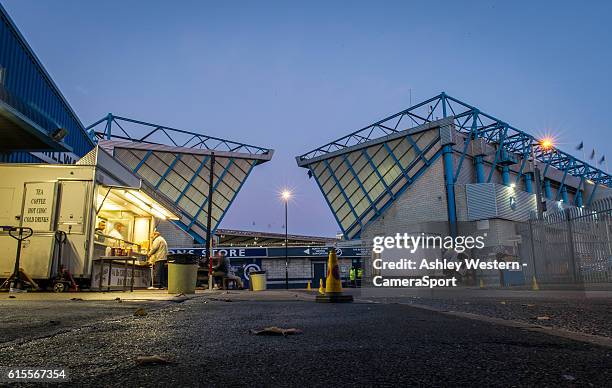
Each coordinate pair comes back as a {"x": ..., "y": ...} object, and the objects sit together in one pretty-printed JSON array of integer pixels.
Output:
[
  {"x": 362, "y": 173},
  {"x": 177, "y": 163},
  {"x": 228, "y": 237}
]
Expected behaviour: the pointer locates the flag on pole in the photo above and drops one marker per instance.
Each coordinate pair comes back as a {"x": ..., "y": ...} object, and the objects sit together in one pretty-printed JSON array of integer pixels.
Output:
[
  {"x": 603, "y": 159},
  {"x": 592, "y": 154},
  {"x": 580, "y": 147}
]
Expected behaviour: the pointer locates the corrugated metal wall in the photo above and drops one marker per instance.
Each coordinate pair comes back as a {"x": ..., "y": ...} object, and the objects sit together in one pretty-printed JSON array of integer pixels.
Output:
[
  {"x": 28, "y": 88},
  {"x": 23, "y": 157},
  {"x": 481, "y": 204},
  {"x": 491, "y": 200}
]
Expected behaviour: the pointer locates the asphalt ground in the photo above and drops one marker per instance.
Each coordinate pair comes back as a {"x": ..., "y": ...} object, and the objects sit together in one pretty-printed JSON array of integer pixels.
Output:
[
  {"x": 583, "y": 312},
  {"x": 589, "y": 316},
  {"x": 207, "y": 342}
]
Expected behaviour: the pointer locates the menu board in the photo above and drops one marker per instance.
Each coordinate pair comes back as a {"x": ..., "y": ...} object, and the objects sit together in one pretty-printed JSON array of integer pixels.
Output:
[{"x": 38, "y": 206}]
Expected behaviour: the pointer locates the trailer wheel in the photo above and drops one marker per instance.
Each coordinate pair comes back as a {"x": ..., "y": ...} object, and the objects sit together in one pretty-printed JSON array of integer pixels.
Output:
[{"x": 59, "y": 287}]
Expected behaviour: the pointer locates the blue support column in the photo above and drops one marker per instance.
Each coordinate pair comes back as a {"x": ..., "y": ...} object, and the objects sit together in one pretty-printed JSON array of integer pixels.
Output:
[
  {"x": 447, "y": 153},
  {"x": 578, "y": 196},
  {"x": 109, "y": 125},
  {"x": 547, "y": 189},
  {"x": 578, "y": 199},
  {"x": 592, "y": 195},
  {"x": 564, "y": 195},
  {"x": 480, "y": 174},
  {"x": 529, "y": 182},
  {"x": 506, "y": 175}
]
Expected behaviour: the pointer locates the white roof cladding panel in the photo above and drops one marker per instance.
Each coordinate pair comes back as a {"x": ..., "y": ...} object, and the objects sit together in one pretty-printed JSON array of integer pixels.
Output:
[
  {"x": 360, "y": 182},
  {"x": 192, "y": 151},
  {"x": 182, "y": 175}
]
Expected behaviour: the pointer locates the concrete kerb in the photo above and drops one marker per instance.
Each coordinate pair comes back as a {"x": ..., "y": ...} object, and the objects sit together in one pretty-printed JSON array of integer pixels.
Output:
[{"x": 136, "y": 296}]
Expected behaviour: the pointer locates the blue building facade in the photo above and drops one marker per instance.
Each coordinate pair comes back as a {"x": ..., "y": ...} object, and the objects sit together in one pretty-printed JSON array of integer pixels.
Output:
[{"x": 33, "y": 111}]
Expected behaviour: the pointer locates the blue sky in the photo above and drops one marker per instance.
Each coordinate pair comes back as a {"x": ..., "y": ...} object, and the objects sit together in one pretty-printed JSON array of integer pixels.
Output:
[{"x": 295, "y": 75}]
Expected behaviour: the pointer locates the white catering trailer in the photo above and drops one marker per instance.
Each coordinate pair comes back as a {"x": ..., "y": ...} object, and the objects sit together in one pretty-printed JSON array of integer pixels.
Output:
[{"x": 89, "y": 201}]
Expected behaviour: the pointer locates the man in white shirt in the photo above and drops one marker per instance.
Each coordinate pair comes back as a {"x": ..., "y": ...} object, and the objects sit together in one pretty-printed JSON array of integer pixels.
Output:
[
  {"x": 118, "y": 233},
  {"x": 158, "y": 255}
]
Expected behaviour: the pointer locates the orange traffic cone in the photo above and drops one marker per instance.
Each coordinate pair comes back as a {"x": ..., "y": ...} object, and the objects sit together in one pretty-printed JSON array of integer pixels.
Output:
[
  {"x": 333, "y": 284},
  {"x": 321, "y": 288},
  {"x": 308, "y": 286}
]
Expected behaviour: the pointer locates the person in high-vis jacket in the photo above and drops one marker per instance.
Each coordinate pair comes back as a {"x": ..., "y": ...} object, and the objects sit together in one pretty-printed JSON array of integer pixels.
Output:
[
  {"x": 352, "y": 277},
  {"x": 158, "y": 255}
]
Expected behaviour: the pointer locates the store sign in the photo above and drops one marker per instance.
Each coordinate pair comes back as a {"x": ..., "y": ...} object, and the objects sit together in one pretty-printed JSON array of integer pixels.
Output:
[
  {"x": 232, "y": 252},
  {"x": 229, "y": 252},
  {"x": 38, "y": 206}
]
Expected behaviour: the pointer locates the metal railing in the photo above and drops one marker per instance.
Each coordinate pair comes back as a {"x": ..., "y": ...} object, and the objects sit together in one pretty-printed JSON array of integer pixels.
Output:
[{"x": 570, "y": 246}]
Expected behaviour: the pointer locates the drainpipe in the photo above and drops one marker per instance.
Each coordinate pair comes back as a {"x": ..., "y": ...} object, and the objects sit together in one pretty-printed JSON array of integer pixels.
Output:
[
  {"x": 506, "y": 175},
  {"x": 579, "y": 201},
  {"x": 480, "y": 174},
  {"x": 447, "y": 153},
  {"x": 528, "y": 183},
  {"x": 547, "y": 189},
  {"x": 564, "y": 195}
]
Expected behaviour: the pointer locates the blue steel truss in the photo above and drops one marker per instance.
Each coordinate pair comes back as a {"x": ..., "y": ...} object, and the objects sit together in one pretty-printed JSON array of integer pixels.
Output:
[
  {"x": 180, "y": 169},
  {"x": 475, "y": 124},
  {"x": 159, "y": 134},
  {"x": 361, "y": 184},
  {"x": 508, "y": 141}
]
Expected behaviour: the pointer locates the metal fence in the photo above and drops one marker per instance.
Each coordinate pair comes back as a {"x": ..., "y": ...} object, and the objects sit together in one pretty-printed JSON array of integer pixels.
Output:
[{"x": 570, "y": 246}]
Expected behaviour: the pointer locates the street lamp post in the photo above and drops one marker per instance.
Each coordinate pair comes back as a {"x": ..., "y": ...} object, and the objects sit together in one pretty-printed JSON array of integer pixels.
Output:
[{"x": 286, "y": 195}]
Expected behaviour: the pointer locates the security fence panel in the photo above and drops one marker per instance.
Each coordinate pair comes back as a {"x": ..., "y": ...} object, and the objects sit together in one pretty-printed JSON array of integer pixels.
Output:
[{"x": 571, "y": 246}]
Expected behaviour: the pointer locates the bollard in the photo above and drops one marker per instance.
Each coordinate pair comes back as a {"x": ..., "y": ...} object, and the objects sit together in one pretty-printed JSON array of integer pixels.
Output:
[{"x": 534, "y": 284}]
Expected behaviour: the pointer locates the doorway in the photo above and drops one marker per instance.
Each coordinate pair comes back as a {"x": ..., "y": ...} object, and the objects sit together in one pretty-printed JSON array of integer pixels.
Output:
[{"x": 319, "y": 271}]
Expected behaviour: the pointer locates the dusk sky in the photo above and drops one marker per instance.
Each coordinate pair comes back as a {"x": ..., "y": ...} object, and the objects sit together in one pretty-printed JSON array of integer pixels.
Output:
[{"x": 295, "y": 75}]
